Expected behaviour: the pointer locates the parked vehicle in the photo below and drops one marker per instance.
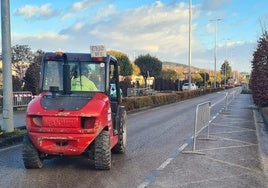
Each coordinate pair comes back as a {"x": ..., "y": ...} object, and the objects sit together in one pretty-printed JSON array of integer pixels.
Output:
[
  {"x": 186, "y": 86},
  {"x": 72, "y": 121}
]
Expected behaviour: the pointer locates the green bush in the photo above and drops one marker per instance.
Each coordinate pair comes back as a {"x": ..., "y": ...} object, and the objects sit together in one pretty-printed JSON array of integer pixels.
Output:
[{"x": 132, "y": 103}]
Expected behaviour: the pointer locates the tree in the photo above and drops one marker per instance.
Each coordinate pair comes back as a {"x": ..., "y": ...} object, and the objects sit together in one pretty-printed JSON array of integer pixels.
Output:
[
  {"x": 136, "y": 69},
  {"x": 259, "y": 74},
  {"x": 169, "y": 74},
  {"x": 21, "y": 58},
  {"x": 149, "y": 66},
  {"x": 205, "y": 77},
  {"x": 196, "y": 77},
  {"x": 32, "y": 76},
  {"x": 16, "y": 83},
  {"x": 226, "y": 70},
  {"x": 1, "y": 78},
  {"x": 123, "y": 62}
]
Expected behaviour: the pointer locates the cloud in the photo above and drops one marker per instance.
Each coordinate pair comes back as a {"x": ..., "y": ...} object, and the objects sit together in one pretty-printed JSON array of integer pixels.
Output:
[
  {"x": 50, "y": 41},
  {"x": 155, "y": 28},
  {"x": 85, "y": 5},
  {"x": 36, "y": 12},
  {"x": 158, "y": 29},
  {"x": 66, "y": 17},
  {"x": 105, "y": 12},
  {"x": 78, "y": 26}
]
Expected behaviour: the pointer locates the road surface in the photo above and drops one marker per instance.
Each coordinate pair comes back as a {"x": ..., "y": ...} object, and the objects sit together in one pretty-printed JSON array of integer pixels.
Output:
[{"x": 153, "y": 135}]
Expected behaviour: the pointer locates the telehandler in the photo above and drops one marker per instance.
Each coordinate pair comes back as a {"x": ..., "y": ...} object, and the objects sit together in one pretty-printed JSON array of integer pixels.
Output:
[{"x": 68, "y": 118}]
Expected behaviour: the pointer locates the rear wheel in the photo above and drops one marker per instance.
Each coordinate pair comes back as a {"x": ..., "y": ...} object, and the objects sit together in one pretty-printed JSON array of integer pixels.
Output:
[
  {"x": 120, "y": 147},
  {"x": 102, "y": 151},
  {"x": 30, "y": 154}
]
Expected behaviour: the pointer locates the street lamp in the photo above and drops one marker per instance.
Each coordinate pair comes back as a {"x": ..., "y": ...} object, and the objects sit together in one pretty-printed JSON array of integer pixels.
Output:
[
  {"x": 225, "y": 74},
  {"x": 215, "y": 48},
  {"x": 8, "y": 119},
  {"x": 190, "y": 46},
  {"x": 225, "y": 63}
]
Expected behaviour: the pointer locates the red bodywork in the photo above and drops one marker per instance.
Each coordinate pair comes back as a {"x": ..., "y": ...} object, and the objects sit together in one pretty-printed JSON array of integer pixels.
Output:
[{"x": 63, "y": 132}]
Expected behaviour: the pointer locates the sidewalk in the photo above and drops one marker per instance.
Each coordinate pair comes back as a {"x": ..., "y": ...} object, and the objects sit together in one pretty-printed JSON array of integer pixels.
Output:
[
  {"x": 18, "y": 118},
  {"x": 233, "y": 159}
]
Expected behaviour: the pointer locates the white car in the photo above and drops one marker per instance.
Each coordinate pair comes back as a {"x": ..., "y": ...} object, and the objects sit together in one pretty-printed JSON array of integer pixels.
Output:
[{"x": 186, "y": 86}]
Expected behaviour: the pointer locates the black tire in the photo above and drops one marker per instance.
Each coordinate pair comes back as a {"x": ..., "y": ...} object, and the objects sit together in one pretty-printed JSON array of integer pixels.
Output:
[
  {"x": 30, "y": 154},
  {"x": 120, "y": 147},
  {"x": 102, "y": 151}
]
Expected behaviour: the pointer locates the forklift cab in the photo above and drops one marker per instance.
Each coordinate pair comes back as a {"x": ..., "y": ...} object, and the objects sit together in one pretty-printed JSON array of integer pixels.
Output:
[{"x": 71, "y": 73}]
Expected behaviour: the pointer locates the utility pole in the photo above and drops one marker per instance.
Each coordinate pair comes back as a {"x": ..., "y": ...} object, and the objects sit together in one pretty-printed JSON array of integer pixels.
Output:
[
  {"x": 225, "y": 73},
  {"x": 226, "y": 54},
  {"x": 8, "y": 122},
  {"x": 190, "y": 45},
  {"x": 215, "y": 49}
]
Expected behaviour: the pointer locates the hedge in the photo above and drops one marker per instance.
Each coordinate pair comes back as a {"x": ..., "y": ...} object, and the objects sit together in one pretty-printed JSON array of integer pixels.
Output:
[{"x": 134, "y": 103}]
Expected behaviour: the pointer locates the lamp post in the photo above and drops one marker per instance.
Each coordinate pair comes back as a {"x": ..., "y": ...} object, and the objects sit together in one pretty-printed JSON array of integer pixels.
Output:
[
  {"x": 225, "y": 63},
  {"x": 8, "y": 120},
  {"x": 190, "y": 45},
  {"x": 215, "y": 48},
  {"x": 225, "y": 73}
]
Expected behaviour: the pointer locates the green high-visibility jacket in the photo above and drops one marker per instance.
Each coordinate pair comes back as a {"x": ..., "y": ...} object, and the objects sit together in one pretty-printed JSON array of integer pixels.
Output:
[{"x": 83, "y": 84}]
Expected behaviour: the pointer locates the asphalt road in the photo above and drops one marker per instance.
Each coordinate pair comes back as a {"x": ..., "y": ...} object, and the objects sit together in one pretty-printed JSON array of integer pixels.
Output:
[{"x": 153, "y": 135}]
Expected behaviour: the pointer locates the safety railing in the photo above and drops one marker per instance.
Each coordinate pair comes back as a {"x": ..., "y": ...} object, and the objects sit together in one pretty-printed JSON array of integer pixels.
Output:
[
  {"x": 230, "y": 96},
  {"x": 202, "y": 121},
  {"x": 20, "y": 99},
  {"x": 139, "y": 91}
]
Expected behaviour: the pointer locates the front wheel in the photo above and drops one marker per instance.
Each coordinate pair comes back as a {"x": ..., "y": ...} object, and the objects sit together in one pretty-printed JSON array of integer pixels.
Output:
[
  {"x": 30, "y": 154},
  {"x": 121, "y": 145}
]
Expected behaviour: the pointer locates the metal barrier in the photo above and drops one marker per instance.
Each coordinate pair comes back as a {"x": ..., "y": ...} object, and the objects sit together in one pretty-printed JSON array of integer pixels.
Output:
[
  {"x": 202, "y": 121},
  {"x": 202, "y": 116},
  {"x": 21, "y": 98},
  {"x": 230, "y": 96},
  {"x": 139, "y": 91}
]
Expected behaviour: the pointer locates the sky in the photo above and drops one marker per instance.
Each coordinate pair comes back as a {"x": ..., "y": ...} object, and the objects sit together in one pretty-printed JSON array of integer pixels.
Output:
[{"x": 140, "y": 27}]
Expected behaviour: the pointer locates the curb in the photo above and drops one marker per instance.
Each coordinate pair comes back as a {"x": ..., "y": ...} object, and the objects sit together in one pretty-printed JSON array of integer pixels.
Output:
[
  {"x": 11, "y": 141},
  {"x": 262, "y": 136}
]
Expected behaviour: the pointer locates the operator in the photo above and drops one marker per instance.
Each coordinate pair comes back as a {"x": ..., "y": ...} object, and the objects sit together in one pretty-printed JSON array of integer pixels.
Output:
[{"x": 82, "y": 83}]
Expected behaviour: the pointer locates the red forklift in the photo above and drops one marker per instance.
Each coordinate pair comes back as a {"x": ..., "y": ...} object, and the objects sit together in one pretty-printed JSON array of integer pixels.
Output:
[{"x": 69, "y": 119}]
